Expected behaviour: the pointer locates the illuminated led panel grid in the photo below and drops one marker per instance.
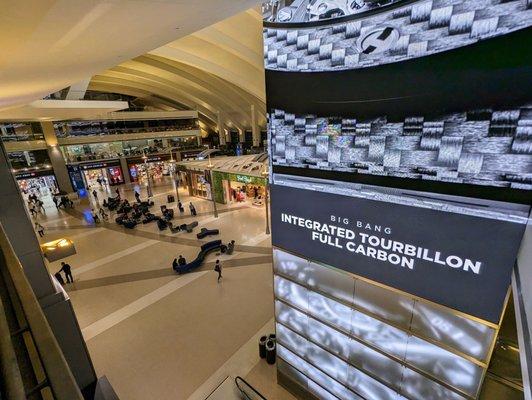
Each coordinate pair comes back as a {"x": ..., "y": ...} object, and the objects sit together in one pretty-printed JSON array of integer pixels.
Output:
[
  {"x": 352, "y": 338},
  {"x": 480, "y": 147},
  {"x": 421, "y": 28}
]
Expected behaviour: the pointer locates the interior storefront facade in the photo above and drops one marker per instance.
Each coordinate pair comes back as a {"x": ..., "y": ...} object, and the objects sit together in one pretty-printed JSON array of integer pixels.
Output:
[
  {"x": 237, "y": 188},
  {"x": 157, "y": 167},
  {"x": 129, "y": 148},
  {"x": 41, "y": 183}
]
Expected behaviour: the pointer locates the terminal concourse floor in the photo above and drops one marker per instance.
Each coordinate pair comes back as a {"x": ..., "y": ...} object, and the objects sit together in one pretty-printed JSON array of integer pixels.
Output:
[{"x": 157, "y": 335}]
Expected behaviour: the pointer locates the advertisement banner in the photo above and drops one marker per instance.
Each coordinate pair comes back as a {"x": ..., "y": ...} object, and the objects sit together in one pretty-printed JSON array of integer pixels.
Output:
[{"x": 460, "y": 261}]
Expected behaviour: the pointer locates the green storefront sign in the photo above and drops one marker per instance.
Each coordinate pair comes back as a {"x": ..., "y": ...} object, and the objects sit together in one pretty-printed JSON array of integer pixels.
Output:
[{"x": 218, "y": 177}]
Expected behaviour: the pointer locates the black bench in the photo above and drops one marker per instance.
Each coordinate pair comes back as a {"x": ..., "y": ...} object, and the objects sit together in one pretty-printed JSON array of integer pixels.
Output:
[
  {"x": 161, "y": 224},
  {"x": 130, "y": 223},
  {"x": 207, "y": 248},
  {"x": 207, "y": 232}
]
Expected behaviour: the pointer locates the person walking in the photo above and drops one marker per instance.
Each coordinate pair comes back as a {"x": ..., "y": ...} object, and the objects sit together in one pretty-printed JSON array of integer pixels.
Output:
[
  {"x": 31, "y": 207},
  {"x": 40, "y": 206},
  {"x": 192, "y": 209},
  {"x": 67, "y": 269},
  {"x": 54, "y": 199},
  {"x": 117, "y": 193},
  {"x": 218, "y": 268},
  {"x": 103, "y": 214},
  {"x": 180, "y": 206},
  {"x": 95, "y": 194},
  {"x": 137, "y": 196},
  {"x": 95, "y": 217},
  {"x": 39, "y": 228}
]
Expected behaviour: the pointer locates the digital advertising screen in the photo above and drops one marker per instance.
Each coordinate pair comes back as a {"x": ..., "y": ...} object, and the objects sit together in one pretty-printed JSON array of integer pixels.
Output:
[{"x": 429, "y": 95}]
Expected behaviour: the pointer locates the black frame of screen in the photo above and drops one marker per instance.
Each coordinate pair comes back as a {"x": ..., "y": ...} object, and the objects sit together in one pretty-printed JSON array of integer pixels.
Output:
[{"x": 519, "y": 196}]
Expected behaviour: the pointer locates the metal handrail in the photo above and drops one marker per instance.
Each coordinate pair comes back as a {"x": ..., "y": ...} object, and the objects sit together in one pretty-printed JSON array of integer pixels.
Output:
[
  {"x": 239, "y": 378},
  {"x": 58, "y": 374}
]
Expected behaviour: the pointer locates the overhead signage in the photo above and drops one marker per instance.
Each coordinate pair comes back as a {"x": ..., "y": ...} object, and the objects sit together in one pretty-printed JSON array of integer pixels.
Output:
[
  {"x": 100, "y": 164},
  {"x": 244, "y": 178},
  {"x": 149, "y": 159},
  {"x": 33, "y": 174},
  {"x": 461, "y": 261}
]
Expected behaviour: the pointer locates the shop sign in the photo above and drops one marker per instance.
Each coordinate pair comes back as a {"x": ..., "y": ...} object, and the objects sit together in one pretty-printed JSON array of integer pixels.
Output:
[
  {"x": 461, "y": 261},
  {"x": 100, "y": 164},
  {"x": 33, "y": 174},
  {"x": 244, "y": 179},
  {"x": 155, "y": 158}
]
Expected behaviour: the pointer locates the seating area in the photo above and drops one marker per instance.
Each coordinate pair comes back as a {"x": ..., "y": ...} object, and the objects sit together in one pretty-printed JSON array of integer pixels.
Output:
[
  {"x": 204, "y": 232},
  {"x": 183, "y": 227},
  {"x": 209, "y": 247}
]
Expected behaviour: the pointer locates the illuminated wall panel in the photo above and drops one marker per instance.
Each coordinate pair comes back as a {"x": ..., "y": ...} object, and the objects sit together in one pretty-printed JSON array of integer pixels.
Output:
[{"x": 379, "y": 345}]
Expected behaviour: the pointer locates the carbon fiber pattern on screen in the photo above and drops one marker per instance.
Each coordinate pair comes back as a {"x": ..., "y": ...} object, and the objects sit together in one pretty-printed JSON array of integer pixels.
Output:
[
  {"x": 419, "y": 29},
  {"x": 482, "y": 147}
]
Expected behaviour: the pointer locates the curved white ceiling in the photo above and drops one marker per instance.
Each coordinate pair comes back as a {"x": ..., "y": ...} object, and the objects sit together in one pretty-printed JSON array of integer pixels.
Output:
[
  {"x": 50, "y": 44},
  {"x": 217, "y": 69}
]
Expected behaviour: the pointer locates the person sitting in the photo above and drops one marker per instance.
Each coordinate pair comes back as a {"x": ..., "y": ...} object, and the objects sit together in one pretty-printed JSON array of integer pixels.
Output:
[
  {"x": 182, "y": 260},
  {"x": 230, "y": 247},
  {"x": 174, "y": 264}
]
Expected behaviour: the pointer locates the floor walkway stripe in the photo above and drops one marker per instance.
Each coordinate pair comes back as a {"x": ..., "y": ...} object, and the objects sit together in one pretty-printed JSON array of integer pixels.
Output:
[
  {"x": 102, "y": 261},
  {"x": 240, "y": 364},
  {"x": 120, "y": 315}
]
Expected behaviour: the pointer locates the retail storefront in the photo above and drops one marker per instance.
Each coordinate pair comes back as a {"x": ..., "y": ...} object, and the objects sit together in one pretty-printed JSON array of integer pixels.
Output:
[
  {"x": 157, "y": 167},
  {"x": 41, "y": 182},
  {"x": 235, "y": 188},
  {"x": 86, "y": 175},
  {"x": 235, "y": 179}
]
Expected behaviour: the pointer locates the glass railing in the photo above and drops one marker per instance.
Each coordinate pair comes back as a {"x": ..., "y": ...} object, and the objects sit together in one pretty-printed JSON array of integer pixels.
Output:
[
  {"x": 247, "y": 391},
  {"x": 33, "y": 365},
  {"x": 99, "y": 128}
]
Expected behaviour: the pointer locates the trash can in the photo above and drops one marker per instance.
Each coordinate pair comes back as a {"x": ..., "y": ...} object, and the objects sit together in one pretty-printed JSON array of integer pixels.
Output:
[
  {"x": 170, "y": 198},
  {"x": 270, "y": 351},
  {"x": 262, "y": 346}
]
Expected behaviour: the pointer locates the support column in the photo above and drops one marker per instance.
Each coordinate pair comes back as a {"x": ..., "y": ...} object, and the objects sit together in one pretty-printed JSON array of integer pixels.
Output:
[
  {"x": 241, "y": 135},
  {"x": 522, "y": 291},
  {"x": 255, "y": 129},
  {"x": 221, "y": 130},
  {"x": 56, "y": 158},
  {"x": 57, "y": 309},
  {"x": 125, "y": 170}
]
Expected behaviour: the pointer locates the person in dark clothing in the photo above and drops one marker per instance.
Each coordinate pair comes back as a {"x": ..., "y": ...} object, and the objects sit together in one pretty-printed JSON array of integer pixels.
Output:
[
  {"x": 180, "y": 206},
  {"x": 192, "y": 209},
  {"x": 95, "y": 194},
  {"x": 182, "y": 260},
  {"x": 54, "y": 199},
  {"x": 230, "y": 247},
  {"x": 174, "y": 264},
  {"x": 137, "y": 196},
  {"x": 39, "y": 228},
  {"x": 67, "y": 269},
  {"x": 117, "y": 193},
  {"x": 218, "y": 268}
]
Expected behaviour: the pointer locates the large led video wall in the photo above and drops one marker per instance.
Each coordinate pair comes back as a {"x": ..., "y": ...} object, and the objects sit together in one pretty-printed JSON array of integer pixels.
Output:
[
  {"x": 400, "y": 137},
  {"x": 429, "y": 90}
]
